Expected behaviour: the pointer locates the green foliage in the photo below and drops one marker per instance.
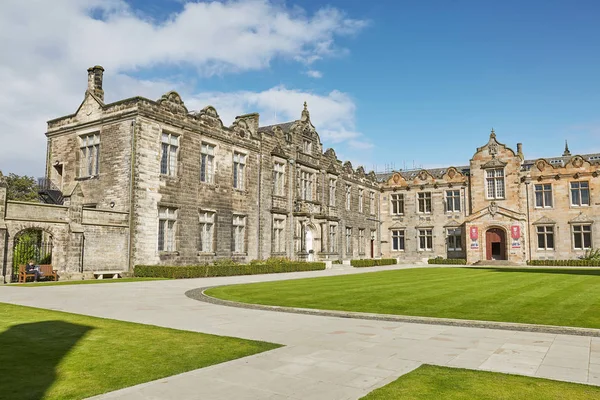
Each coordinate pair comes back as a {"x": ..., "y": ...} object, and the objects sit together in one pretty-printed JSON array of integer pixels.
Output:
[
  {"x": 221, "y": 268},
  {"x": 591, "y": 254},
  {"x": 21, "y": 188},
  {"x": 452, "y": 261},
  {"x": 336, "y": 262},
  {"x": 372, "y": 263},
  {"x": 594, "y": 262}
]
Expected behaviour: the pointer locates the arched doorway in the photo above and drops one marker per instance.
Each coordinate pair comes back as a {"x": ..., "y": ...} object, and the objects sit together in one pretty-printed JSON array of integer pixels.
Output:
[
  {"x": 495, "y": 244},
  {"x": 31, "y": 244}
]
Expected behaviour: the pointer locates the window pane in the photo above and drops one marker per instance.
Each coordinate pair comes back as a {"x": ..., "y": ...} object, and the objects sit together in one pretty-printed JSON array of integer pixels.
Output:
[
  {"x": 539, "y": 199},
  {"x": 550, "y": 240},
  {"x": 578, "y": 241},
  {"x": 585, "y": 197},
  {"x": 548, "y": 198},
  {"x": 587, "y": 240}
]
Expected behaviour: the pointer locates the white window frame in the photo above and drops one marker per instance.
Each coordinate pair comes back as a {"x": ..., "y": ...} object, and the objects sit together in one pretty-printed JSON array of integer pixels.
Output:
[
  {"x": 332, "y": 190},
  {"x": 239, "y": 170},
  {"x": 543, "y": 231},
  {"x": 207, "y": 230},
  {"x": 278, "y": 233},
  {"x": 360, "y": 200},
  {"x": 454, "y": 236},
  {"x": 424, "y": 205},
  {"x": 578, "y": 190},
  {"x": 581, "y": 230},
  {"x": 306, "y": 185},
  {"x": 494, "y": 183},
  {"x": 89, "y": 149},
  {"x": 452, "y": 200},
  {"x": 397, "y": 204},
  {"x": 543, "y": 192},
  {"x": 278, "y": 178},
  {"x": 239, "y": 233},
  {"x": 207, "y": 163},
  {"x": 348, "y": 240},
  {"x": 169, "y": 150},
  {"x": 398, "y": 239},
  {"x": 348, "y": 197},
  {"x": 167, "y": 225},
  {"x": 425, "y": 239},
  {"x": 361, "y": 241},
  {"x": 332, "y": 238},
  {"x": 372, "y": 203}
]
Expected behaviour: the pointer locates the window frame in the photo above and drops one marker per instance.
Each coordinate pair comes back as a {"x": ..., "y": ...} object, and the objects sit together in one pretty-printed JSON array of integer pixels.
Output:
[
  {"x": 453, "y": 202},
  {"x": 424, "y": 198},
  {"x": 427, "y": 237},
  {"x": 278, "y": 239},
  {"x": 582, "y": 232},
  {"x": 167, "y": 221},
  {"x": 207, "y": 162},
  {"x": 239, "y": 233},
  {"x": 332, "y": 191},
  {"x": 278, "y": 178},
  {"x": 399, "y": 203},
  {"x": 495, "y": 179},
  {"x": 579, "y": 190},
  {"x": 168, "y": 157},
  {"x": 454, "y": 235},
  {"x": 206, "y": 220},
  {"x": 400, "y": 243},
  {"x": 89, "y": 165},
  {"x": 542, "y": 231},
  {"x": 542, "y": 192},
  {"x": 239, "y": 170}
]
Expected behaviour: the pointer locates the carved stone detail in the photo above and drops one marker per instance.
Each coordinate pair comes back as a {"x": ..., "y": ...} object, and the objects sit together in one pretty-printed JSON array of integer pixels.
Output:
[{"x": 172, "y": 102}]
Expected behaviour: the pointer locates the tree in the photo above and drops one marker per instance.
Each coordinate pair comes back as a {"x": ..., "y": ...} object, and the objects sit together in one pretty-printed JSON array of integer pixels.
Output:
[{"x": 20, "y": 188}]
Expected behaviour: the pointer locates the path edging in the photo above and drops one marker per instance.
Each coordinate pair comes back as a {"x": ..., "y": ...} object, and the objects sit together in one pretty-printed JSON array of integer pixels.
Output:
[{"x": 198, "y": 294}]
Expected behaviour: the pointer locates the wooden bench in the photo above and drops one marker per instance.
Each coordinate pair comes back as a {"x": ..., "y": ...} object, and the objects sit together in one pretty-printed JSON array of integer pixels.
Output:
[{"x": 46, "y": 270}]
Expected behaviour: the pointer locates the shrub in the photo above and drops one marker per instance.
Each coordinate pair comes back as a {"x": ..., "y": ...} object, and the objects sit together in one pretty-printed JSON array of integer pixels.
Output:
[
  {"x": 594, "y": 262},
  {"x": 222, "y": 268},
  {"x": 452, "y": 261},
  {"x": 372, "y": 263}
]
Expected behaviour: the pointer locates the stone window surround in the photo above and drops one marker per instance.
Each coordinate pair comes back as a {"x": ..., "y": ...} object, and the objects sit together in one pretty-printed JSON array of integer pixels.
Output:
[
  {"x": 543, "y": 190},
  {"x": 89, "y": 141},
  {"x": 424, "y": 198},
  {"x": 209, "y": 178},
  {"x": 402, "y": 234},
  {"x": 332, "y": 190},
  {"x": 419, "y": 236},
  {"x": 552, "y": 232},
  {"x": 361, "y": 199},
  {"x": 166, "y": 214},
  {"x": 400, "y": 201},
  {"x": 361, "y": 241},
  {"x": 348, "y": 195},
  {"x": 279, "y": 181},
  {"x": 278, "y": 239},
  {"x": 239, "y": 163},
  {"x": 496, "y": 179},
  {"x": 455, "y": 208},
  {"x": 582, "y": 232},
  {"x": 207, "y": 220},
  {"x": 455, "y": 233},
  {"x": 171, "y": 157},
  {"x": 589, "y": 195},
  {"x": 238, "y": 225}
]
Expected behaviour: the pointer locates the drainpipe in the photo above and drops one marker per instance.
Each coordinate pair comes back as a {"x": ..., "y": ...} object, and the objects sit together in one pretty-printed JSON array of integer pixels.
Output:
[
  {"x": 131, "y": 188},
  {"x": 528, "y": 224},
  {"x": 259, "y": 254}
]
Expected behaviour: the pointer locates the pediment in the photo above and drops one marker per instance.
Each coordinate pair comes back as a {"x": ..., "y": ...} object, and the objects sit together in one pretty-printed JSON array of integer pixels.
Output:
[
  {"x": 452, "y": 224},
  {"x": 423, "y": 176},
  {"x": 452, "y": 174},
  {"x": 494, "y": 163},
  {"x": 577, "y": 162},
  {"x": 494, "y": 209},
  {"x": 581, "y": 218},
  {"x": 397, "y": 225},
  {"x": 332, "y": 169},
  {"x": 544, "y": 221},
  {"x": 172, "y": 102},
  {"x": 279, "y": 152},
  {"x": 90, "y": 106},
  {"x": 396, "y": 180}
]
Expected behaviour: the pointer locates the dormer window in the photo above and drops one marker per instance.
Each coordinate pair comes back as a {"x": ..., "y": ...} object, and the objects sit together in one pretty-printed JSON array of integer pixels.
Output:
[
  {"x": 307, "y": 148},
  {"x": 495, "y": 183}
]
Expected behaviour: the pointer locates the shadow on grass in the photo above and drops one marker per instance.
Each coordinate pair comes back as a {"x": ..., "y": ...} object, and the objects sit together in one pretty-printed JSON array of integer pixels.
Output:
[
  {"x": 557, "y": 270},
  {"x": 30, "y": 354}
]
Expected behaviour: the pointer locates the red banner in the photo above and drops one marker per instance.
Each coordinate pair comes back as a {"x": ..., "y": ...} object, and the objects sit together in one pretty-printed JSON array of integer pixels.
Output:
[
  {"x": 474, "y": 231},
  {"x": 515, "y": 232}
]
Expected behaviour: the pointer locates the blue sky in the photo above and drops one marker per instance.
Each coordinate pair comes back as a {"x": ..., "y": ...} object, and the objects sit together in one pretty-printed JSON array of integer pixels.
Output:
[{"x": 401, "y": 82}]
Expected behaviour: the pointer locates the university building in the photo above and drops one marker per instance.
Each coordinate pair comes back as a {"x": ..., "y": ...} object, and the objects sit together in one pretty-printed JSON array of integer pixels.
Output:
[{"x": 140, "y": 181}]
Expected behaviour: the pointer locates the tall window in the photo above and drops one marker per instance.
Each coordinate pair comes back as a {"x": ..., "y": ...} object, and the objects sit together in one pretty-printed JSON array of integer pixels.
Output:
[
  {"x": 278, "y": 235},
  {"x": 397, "y": 201},
  {"x": 167, "y": 217},
  {"x": 168, "y": 156},
  {"x": 454, "y": 239},
  {"x": 307, "y": 148},
  {"x": 453, "y": 200},
  {"x": 495, "y": 183},
  {"x": 543, "y": 195},
  {"x": 348, "y": 240},
  {"x": 398, "y": 240},
  {"x": 239, "y": 170},
  {"x": 361, "y": 241},
  {"x": 332, "y": 185},
  {"x": 278, "y": 179},
  {"x": 425, "y": 239},
  {"x": 360, "y": 200},
  {"x": 545, "y": 236},
  {"x": 207, "y": 163},
  {"x": 348, "y": 197},
  {"x": 207, "y": 227},
  {"x": 306, "y": 185},
  {"x": 582, "y": 236},
  {"x": 424, "y": 202},
  {"x": 580, "y": 194},
  {"x": 89, "y": 150},
  {"x": 332, "y": 229},
  {"x": 239, "y": 233}
]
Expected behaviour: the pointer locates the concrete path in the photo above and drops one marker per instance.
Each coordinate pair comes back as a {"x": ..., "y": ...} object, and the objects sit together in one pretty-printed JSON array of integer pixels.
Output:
[{"x": 324, "y": 357}]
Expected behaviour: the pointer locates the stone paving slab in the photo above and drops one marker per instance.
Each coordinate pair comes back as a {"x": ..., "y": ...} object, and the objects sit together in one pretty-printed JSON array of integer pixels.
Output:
[{"x": 324, "y": 357}]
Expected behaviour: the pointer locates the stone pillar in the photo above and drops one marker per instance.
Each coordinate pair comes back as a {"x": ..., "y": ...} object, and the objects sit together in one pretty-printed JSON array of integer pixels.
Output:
[
  {"x": 4, "y": 267},
  {"x": 95, "y": 81}
]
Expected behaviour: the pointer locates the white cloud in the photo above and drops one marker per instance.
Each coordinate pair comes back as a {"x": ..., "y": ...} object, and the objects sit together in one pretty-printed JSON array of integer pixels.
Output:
[
  {"x": 314, "y": 73},
  {"x": 46, "y": 47}
]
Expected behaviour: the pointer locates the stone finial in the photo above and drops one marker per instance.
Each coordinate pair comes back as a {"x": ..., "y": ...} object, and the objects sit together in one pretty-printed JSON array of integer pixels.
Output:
[
  {"x": 566, "y": 153},
  {"x": 305, "y": 113},
  {"x": 492, "y": 134},
  {"x": 95, "y": 74}
]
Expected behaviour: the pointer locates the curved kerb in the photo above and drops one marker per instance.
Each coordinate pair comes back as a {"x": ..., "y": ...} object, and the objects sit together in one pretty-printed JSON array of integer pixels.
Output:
[{"x": 198, "y": 294}]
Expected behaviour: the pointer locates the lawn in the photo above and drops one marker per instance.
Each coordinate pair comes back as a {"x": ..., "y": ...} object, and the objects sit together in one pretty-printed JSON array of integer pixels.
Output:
[
  {"x": 429, "y": 382},
  {"x": 85, "y": 282},
  {"x": 55, "y": 355},
  {"x": 568, "y": 297}
]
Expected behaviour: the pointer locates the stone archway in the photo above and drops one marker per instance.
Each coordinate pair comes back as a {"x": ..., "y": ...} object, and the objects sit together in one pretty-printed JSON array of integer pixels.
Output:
[
  {"x": 495, "y": 244},
  {"x": 31, "y": 244}
]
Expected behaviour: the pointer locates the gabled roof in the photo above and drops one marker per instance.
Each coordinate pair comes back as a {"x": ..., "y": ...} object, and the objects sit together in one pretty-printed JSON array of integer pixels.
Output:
[{"x": 285, "y": 127}]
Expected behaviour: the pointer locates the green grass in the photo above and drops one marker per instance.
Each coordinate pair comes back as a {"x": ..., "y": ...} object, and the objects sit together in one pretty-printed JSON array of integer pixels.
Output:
[
  {"x": 567, "y": 297},
  {"x": 86, "y": 282},
  {"x": 55, "y": 355},
  {"x": 432, "y": 383}
]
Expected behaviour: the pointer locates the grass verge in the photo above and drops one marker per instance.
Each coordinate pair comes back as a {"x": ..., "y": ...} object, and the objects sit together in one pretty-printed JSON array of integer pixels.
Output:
[
  {"x": 430, "y": 382},
  {"x": 566, "y": 297},
  {"x": 55, "y": 355}
]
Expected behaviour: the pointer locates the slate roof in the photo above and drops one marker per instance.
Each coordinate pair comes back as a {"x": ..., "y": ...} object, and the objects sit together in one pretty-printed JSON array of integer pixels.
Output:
[{"x": 285, "y": 127}]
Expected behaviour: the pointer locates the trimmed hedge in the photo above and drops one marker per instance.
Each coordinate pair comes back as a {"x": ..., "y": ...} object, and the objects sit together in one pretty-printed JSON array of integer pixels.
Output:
[
  {"x": 372, "y": 263},
  {"x": 453, "y": 261},
  {"x": 565, "y": 263},
  {"x": 204, "y": 271}
]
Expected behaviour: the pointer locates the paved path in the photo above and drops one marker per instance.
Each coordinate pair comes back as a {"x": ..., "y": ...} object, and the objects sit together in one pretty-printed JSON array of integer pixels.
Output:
[{"x": 324, "y": 357}]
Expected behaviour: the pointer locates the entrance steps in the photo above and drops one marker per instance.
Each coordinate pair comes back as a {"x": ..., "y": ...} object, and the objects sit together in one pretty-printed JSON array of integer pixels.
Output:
[{"x": 497, "y": 263}]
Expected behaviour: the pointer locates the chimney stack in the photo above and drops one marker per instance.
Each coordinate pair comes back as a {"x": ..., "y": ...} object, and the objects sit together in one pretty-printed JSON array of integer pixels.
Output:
[
  {"x": 520, "y": 150},
  {"x": 95, "y": 81}
]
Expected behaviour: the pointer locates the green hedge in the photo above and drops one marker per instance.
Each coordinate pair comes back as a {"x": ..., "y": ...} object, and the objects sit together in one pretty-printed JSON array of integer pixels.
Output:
[
  {"x": 565, "y": 263},
  {"x": 372, "y": 263},
  {"x": 454, "y": 261},
  {"x": 203, "y": 271}
]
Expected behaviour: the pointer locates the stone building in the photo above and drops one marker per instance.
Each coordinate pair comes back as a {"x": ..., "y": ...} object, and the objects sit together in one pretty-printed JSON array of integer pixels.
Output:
[
  {"x": 139, "y": 181},
  {"x": 499, "y": 207},
  {"x": 187, "y": 189}
]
